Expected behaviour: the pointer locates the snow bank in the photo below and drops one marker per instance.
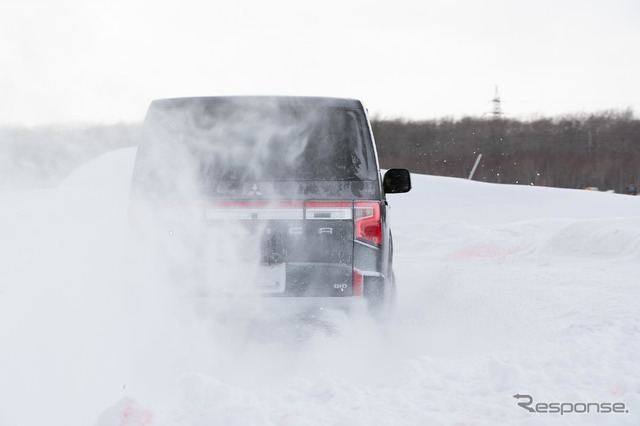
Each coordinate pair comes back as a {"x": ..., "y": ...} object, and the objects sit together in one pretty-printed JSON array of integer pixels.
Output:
[{"x": 436, "y": 199}]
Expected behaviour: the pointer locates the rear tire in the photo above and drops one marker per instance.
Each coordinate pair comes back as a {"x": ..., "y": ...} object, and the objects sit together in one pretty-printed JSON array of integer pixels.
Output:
[{"x": 380, "y": 294}]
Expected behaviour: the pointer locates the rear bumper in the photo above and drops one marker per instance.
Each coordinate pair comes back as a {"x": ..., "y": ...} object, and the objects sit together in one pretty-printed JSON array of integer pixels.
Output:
[
  {"x": 294, "y": 279},
  {"x": 300, "y": 304},
  {"x": 277, "y": 307}
]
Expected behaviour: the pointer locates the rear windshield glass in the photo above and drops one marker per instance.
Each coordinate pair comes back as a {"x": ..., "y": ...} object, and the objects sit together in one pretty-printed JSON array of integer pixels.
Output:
[{"x": 217, "y": 143}]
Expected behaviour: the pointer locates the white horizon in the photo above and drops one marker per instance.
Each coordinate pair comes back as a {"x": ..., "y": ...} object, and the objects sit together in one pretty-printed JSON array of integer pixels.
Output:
[{"x": 72, "y": 61}]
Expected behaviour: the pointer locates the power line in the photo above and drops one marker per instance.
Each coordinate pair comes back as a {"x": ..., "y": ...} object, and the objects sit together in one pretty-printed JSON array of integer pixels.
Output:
[{"x": 497, "y": 109}]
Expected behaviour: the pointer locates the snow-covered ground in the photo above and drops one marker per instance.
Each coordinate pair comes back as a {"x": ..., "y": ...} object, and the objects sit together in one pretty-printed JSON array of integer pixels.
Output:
[{"x": 503, "y": 290}]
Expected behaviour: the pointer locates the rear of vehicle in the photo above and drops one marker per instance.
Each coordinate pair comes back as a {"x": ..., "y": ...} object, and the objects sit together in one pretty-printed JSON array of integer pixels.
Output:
[{"x": 273, "y": 196}]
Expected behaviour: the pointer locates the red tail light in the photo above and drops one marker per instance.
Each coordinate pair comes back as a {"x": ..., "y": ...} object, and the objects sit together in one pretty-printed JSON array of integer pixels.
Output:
[
  {"x": 246, "y": 210},
  {"x": 368, "y": 226},
  {"x": 358, "y": 283}
]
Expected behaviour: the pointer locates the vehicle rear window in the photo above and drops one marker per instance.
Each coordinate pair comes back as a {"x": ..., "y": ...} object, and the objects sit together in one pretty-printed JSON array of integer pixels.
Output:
[{"x": 217, "y": 143}]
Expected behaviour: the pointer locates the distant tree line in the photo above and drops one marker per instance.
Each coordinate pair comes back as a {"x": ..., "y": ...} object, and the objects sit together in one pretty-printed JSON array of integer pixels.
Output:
[{"x": 574, "y": 151}]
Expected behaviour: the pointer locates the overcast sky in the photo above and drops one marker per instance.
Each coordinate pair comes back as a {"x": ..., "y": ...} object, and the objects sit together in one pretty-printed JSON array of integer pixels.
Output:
[{"x": 104, "y": 61}]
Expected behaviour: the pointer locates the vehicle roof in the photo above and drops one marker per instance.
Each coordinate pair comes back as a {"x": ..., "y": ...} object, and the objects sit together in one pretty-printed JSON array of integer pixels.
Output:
[{"x": 302, "y": 101}]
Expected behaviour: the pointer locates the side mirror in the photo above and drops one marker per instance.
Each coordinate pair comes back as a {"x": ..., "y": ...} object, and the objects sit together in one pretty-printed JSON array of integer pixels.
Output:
[{"x": 396, "y": 181}]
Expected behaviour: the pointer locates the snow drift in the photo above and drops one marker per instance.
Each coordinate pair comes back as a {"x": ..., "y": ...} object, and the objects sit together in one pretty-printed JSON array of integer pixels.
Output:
[{"x": 503, "y": 290}]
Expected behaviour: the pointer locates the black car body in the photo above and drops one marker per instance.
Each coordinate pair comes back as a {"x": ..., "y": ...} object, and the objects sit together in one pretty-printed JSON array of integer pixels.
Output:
[{"x": 276, "y": 196}]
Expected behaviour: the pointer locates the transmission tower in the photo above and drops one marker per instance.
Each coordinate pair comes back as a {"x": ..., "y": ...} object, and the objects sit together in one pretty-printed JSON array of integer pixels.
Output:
[{"x": 497, "y": 110}]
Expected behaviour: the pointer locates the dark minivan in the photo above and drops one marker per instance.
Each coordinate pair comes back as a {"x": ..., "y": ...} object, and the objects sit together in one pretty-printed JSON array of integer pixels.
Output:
[{"x": 273, "y": 196}]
